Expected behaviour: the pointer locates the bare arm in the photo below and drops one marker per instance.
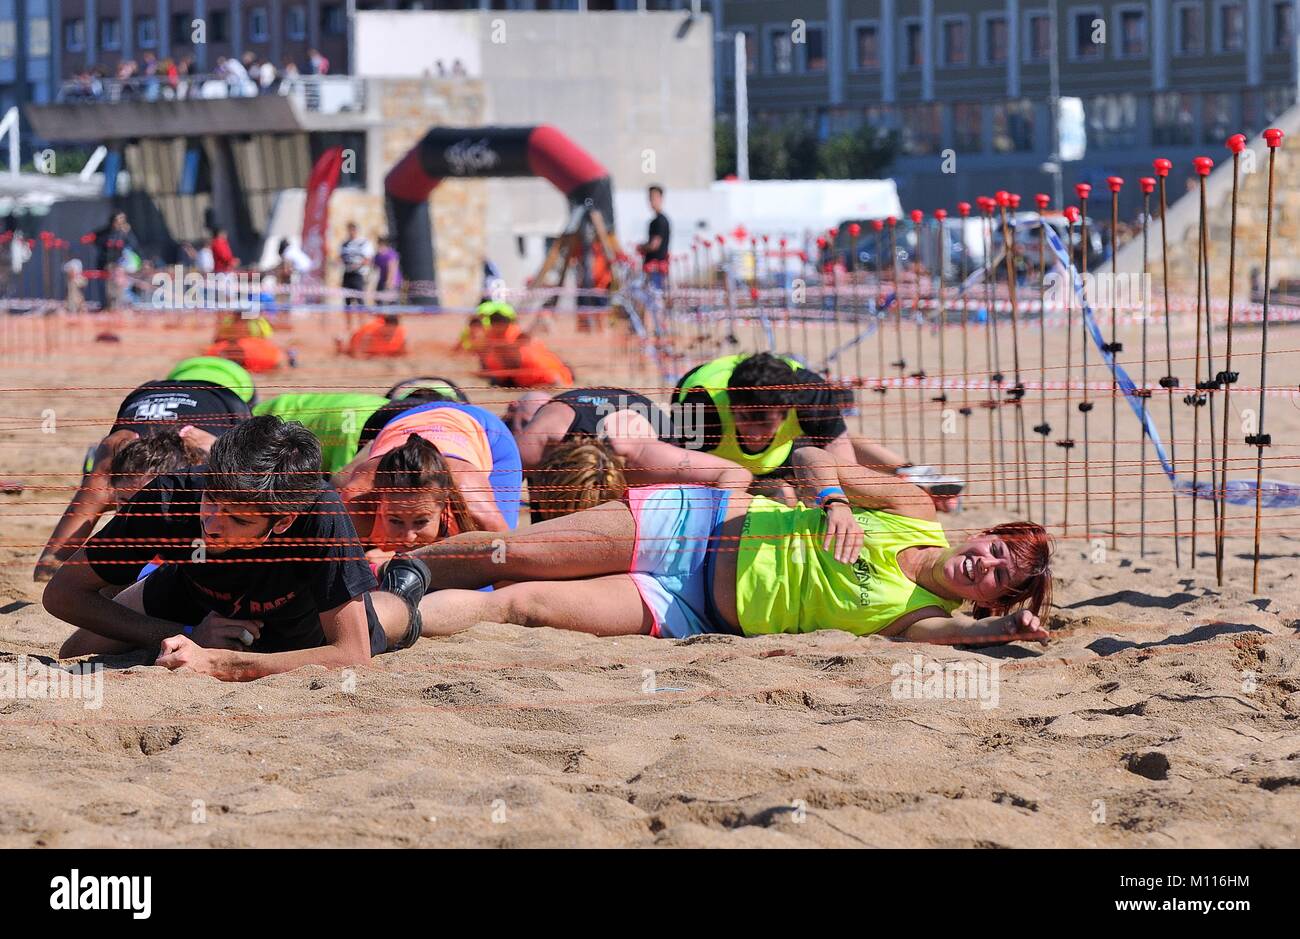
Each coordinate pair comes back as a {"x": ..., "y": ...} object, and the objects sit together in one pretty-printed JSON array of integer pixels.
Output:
[
  {"x": 931, "y": 624},
  {"x": 73, "y": 595},
  {"x": 347, "y": 642},
  {"x": 815, "y": 469},
  {"x": 92, "y": 499},
  {"x": 652, "y": 462}
]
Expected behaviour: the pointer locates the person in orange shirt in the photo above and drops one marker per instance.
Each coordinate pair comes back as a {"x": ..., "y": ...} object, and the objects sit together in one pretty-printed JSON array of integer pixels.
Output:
[{"x": 382, "y": 336}]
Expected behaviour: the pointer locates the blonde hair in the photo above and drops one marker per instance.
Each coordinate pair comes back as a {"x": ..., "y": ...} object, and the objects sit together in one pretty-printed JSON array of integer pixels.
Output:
[{"x": 580, "y": 473}]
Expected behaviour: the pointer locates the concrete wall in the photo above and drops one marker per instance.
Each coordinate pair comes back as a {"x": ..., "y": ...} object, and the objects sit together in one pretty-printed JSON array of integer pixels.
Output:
[{"x": 621, "y": 85}]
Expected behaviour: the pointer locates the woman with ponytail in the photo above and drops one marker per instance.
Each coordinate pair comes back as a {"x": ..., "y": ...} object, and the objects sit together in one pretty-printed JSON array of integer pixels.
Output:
[{"x": 434, "y": 470}]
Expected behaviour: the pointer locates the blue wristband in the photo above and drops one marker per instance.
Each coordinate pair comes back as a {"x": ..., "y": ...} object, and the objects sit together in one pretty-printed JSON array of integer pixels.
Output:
[{"x": 827, "y": 492}]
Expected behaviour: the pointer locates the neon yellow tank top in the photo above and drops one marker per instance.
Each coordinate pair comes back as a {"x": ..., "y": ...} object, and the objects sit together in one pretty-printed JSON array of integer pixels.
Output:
[
  {"x": 786, "y": 583},
  {"x": 336, "y": 420},
  {"x": 713, "y": 378}
]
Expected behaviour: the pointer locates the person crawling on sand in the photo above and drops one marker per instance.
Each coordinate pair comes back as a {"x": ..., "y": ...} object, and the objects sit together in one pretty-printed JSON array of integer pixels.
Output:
[
  {"x": 868, "y": 556},
  {"x": 162, "y": 426},
  {"x": 257, "y": 568}
]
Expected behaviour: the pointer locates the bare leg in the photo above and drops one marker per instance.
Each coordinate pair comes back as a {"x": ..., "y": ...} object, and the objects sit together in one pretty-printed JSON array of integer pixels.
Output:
[
  {"x": 589, "y": 543},
  {"x": 602, "y": 606}
]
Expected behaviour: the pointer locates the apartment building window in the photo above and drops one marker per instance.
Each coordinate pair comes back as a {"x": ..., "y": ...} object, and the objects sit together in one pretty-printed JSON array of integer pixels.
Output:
[
  {"x": 955, "y": 34},
  {"x": 814, "y": 49},
  {"x": 922, "y": 126},
  {"x": 181, "y": 26},
  {"x": 333, "y": 20},
  {"x": 146, "y": 32},
  {"x": 74, "y": 35},
  {"x": 913, "y": 44},
  {"x": 218, "y": 26},
  {"x": 1013, "y": 126},
  {"x": 295, "y": 23},
  {"x": 993, "y": 45},
  {"x": 110, "y": 34},
  {"x": 1217, "y": 117},
  {"x": 866, "y": 46},
  {"x": 1038, "y": 37},
  {"x": 1189, "y": 29},
  {"x": 1283, "y": 21},
  {"x": 8, "y": 39},
  {"x": 780, "y": 52},
  {"x": 258, "y": 25},
  {"x": 1112, "y": 121},
  {"x": 1261, "y": 106},
  {"x": 1083, "y": 45},
  {"x": 1173, "y": 119},
  {"x": 1230, "y": 27},
  {"x": 38, "y": 43},
  {"x": 1132, "y": 24},
  {"x": 968, "y": 126}
]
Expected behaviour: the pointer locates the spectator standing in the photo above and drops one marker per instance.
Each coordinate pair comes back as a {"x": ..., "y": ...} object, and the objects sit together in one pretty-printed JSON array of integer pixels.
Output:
[
  {"x": 388, "y": 263},
  {"x": 355, "y": 254},
  {"x": 654, "y": 250},
  {"x": 317, "y": 64}
]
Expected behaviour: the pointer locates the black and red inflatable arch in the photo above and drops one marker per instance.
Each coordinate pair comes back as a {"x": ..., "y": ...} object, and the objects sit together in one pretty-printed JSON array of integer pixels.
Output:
[{"x": 467, "y": 153}]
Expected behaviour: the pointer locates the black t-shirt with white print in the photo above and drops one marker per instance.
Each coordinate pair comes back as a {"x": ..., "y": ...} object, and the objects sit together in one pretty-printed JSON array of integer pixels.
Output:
[{"x": 317, "y": 565}]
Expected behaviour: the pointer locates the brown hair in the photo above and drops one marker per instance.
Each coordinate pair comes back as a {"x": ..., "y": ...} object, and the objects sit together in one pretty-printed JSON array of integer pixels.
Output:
[
  {"x": 580, "y": 473},
  {"x": 164, "y": 451},
  {"x": 1031, "y": 548},
  {"x": 416, "y": 465}
]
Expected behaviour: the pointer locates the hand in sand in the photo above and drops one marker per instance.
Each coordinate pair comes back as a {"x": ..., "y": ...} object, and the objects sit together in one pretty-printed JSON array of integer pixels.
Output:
[
  {"x": 178, "y": 652},
  {"x": 222, "y": 632}
]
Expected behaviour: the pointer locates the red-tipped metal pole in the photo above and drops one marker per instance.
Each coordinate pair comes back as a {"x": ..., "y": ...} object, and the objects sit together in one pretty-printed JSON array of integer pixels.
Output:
[
  {"x": 1260, "y": 440},
  {"x": 1169, "y": 382}
]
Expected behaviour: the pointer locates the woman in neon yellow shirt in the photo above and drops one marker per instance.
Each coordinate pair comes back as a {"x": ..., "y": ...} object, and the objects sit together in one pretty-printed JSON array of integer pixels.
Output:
[{"x": 676, "y": 561}]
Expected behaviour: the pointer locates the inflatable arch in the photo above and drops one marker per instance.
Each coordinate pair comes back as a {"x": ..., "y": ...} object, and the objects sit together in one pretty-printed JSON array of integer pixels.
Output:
[{"x": 484, "y": 152}]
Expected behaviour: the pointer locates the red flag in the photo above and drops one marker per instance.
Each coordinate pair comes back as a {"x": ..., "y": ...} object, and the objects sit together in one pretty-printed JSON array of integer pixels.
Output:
[{"x": 315, "y": 216}]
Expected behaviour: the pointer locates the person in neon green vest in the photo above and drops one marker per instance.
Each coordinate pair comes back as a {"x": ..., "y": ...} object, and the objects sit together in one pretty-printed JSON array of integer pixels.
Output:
[
  {"x": 757, "y": 410},
  {"x": 864, "y": 553}
]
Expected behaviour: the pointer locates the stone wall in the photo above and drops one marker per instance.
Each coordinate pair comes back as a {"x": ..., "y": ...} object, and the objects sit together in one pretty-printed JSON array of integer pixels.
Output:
[{"x": 405, "y": 110}]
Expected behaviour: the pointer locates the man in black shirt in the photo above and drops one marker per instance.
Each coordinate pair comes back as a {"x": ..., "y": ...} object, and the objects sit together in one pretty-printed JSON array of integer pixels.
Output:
[
  {"x": 259, "y": 570},
  {"x": 655, "y": 248}
]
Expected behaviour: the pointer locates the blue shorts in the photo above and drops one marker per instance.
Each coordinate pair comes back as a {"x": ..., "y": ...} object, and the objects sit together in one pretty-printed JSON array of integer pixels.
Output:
[{"x": 672, "y": 560}]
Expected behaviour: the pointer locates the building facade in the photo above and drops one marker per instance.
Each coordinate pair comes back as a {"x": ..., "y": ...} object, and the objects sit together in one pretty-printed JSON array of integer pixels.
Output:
[
  {"x": 27, "y": 71},
  {"x": 970, "y": 80}
]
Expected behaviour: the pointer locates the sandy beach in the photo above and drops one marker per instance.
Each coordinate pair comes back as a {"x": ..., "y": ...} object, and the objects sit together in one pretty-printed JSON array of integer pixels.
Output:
[{"x": 1165, "y": 711}]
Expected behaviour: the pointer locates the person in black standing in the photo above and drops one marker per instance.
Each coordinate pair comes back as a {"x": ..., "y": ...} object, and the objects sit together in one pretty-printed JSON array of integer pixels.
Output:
[
  {"x": 655, "y": 249},
  {"x": 355, "y": 254}
]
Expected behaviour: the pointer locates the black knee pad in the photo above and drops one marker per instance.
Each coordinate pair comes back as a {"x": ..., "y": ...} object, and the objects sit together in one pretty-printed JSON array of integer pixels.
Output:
[{"x": 408, "y": 578}]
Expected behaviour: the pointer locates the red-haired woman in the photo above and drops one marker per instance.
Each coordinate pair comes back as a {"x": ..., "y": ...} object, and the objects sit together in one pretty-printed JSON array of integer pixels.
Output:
[{"x": 676, "y": 561}]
